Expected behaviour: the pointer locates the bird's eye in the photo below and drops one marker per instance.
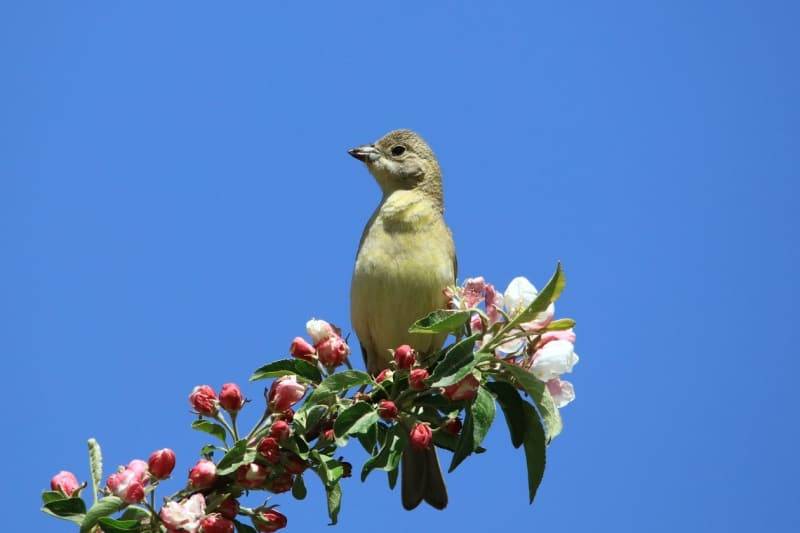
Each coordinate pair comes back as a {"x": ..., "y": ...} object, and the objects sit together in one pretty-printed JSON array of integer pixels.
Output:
[{"x": 398, "y": 150}]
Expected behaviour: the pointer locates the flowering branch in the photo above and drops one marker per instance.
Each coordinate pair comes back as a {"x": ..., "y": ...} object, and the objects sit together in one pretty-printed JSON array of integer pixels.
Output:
[{"x": 509, "y": 350}]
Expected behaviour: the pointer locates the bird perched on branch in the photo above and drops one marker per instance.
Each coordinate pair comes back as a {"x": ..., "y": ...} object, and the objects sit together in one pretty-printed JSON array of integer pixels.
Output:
[{"x": 406, "y": 258}]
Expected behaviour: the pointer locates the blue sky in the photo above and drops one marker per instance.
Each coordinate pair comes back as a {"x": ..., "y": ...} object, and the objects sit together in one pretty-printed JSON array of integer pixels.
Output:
[{"x": 177, "y": 201}]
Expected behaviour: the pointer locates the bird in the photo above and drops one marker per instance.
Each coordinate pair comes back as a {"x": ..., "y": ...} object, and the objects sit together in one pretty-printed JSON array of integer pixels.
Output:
[{"x": 406, "y": 259}]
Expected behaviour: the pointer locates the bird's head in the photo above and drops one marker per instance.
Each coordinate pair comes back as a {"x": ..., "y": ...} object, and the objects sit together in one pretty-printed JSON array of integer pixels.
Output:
[{"x": 401, "y": 159}]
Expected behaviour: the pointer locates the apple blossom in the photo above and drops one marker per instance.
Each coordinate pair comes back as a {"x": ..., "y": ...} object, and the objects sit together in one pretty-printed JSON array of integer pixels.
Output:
[
  {"x": 65, "y": 482},
  {"x": 280, "y": 430},
  {"x": 553, "y": 359},
  {"x": 519, "y": 294},
  {"x": 420, "y": 437},
  {"x": 293, "y": 463},
  {"x": 319, "y": 330},
  {"x": 252, "y": 475},
  {"x": 285, "y": 392},
  {"x": 216, "y": 523},
  {"x": 473, "y": 291},
  {"x": 281, "y": 483},
  {"x": 161, "y": 463},
  {"x": 493, "y": 301},
  {"x": 140, "y": 467},
  {"x": 384, "y": 375},
  {"x": 229, "y": 508},
  {"x": 127, "y": 485},
  {"x": 302, "y": 349},
  {"x": 203, "y": 474},
  {"x": 466, "y": 389},
  {"x": 268, "y": 520},
  {"x": 416, "y": 379},
  {"x": 387, "y": 409},
  {"x": 231, "y": 398},
  {"x": 404, "y": 356},
  {"x": 332, "y": 351},
  {"x": 184, "y": 516},
  {"x": 204, "y": 400},
  {"x": 269, "y": 449},
  {"x": 562, "y": 391}
]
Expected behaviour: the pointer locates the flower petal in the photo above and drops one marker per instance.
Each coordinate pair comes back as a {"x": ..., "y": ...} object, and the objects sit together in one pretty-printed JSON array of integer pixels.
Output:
[{"x": 553, "y": 359}]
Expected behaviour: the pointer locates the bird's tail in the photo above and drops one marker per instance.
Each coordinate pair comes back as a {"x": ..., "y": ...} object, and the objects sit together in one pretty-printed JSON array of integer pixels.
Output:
[{"x": 422, "y": 479}]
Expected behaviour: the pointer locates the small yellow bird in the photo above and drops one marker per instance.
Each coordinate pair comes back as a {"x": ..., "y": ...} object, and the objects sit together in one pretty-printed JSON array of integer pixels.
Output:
[{"x": 406, "y": 258}]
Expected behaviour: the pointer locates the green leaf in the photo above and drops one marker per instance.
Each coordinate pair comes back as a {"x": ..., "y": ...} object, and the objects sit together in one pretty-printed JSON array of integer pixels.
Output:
[
  {"x": 135, "y": 513},
  {"x": 211, "y": 428},
  {"x": 287, "y": 367},
  {"x": 110, "y": 525},
  {"x": 511, "y": 403},
  {"x": 106, "y": 506},
  {"x": 480, "y": 415},
  {"x": 334, "y": 495},
  {"x": 392, "y": 475},
  {"x": 244, "y": 528},
  {"x": 457, "y": 363},
  {"x": 237, "y": 456},
  {"x": 72, "y": 509},
  {"x": 540, "y": 396},
  {"x": 535, "y": 454},
  {"x": 389, "y": 456},
  {"x": 369, "y": 439},
  {"x": 441, "y": 321},
  {"x": 338, "y": 382},
  {"x": 548, "y": 295},
  {"x": 298, "y": 445},
  {"x": 52, "y": 495},
  {"x": 356, "y": 419},
  {"x": 560, "y": 324},
  {"x": 299, "y": 488},
  {"x": 329, "y": 469},
  {"x": 307, "y": 417}
]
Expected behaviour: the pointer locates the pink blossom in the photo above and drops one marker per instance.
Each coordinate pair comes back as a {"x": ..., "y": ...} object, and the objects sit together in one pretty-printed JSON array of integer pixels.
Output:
[
  {"x": 204, "y": 400},
  {"x": 319, "y": 330},
  {"x": 466, "y": 389},
  {"x": 285, "y": 392},
  {"x": 332, "y": 351},
  {"x": 474, "y": 291},
  {"x": 562, "y": 391},
  {"x": 127, "y": 485},
  {"x": 203, "y": 474},
  {"x": 420, "y": 437},
  {"x": 65, "y": 483},
  {"x": 184, "y": 516},
  {"x": 161, "y": 463}
]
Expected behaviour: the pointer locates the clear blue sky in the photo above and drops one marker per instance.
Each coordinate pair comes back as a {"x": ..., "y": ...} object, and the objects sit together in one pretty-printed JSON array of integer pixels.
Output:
[{"x": 177, "y": 201}]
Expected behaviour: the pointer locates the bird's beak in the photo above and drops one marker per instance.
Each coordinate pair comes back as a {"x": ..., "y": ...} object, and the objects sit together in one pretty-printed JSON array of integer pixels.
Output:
[{"x": 366, "y": 153}]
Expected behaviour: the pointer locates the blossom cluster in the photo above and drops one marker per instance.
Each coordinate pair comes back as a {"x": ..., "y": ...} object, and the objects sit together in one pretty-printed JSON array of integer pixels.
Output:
[{"x": 508, "y": 350}]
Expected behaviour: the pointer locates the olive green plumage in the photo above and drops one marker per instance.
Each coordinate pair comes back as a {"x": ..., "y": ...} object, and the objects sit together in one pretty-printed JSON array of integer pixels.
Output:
[{"x": 406, "y": 258}]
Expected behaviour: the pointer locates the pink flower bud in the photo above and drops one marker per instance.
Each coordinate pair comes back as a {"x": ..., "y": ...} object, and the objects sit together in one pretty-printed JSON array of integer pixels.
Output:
[
  {"x": 493, "y": 301},
  {"x": 140, "y": 467},
  {"x": 280, "y": 430},
  {"x": 329, "y": 434},
  {"x": 416, "y": 379},
  {"x": 475, "y": 323},
  {"x": 293, "y": 463},
  {"x": 230, "y": 398},
  {"x": 333, "y": 351},
  {"x": 404, "y": 356},
  {"x": 466, "y": 389},
  {"x": 384, "y": 374},
  {"x": 268, "y": 520},
  {"x": 301, "y": 349},
  {"x": 126, "y": 485},
  {"x": 387, "y": 409},
  {"x": 203, "y": 474},
  {"x": 420, "y": 437},
  {"x": 216, "y": 523},
  {"x": 252, "y": 476},
  {"x": 229, "y": 508},
  {"x": 453, "y": 426},
  {"x": 286, "y": 414},
  {"x": 280, "y": 483},
  {"x": 161, "y": 463},
  {"x": 204, "y": 400},
  {"x": 285, "y": 392},
  {"x": 65, "y": 483},
  {"x": 319, "y": 330},
  {"x": 269, "y": 449},
  {"x": 184, "y": 515}
]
